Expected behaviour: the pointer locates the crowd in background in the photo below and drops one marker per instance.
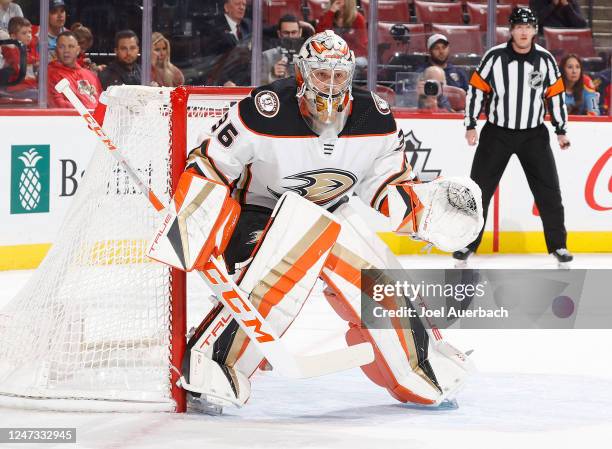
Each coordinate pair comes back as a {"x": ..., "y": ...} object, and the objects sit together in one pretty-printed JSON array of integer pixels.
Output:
[
  {"x": 68, "y": 58},
  {"x": 438, "y": 84}
]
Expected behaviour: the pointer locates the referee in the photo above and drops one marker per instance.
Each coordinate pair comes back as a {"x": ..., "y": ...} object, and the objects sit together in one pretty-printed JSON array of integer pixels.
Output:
[{"x": 515, "y": 81}]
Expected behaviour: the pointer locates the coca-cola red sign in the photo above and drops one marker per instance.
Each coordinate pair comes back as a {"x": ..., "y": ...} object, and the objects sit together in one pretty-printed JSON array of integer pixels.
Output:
[{"x": 593, "y": 179}]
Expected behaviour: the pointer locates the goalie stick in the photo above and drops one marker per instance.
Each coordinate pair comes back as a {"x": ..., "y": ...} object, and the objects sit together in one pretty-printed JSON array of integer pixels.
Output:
[{"x": 258, "y": 330}]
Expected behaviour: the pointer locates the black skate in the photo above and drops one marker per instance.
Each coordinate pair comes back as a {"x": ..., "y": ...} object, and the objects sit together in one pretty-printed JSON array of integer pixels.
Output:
[
  {"x": 563, "y": 256},
  {"x": 461, "y": 257}
]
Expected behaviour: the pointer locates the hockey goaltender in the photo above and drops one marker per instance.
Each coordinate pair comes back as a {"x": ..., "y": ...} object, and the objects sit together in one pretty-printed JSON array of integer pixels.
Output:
[{"x": 289, "y": 157}]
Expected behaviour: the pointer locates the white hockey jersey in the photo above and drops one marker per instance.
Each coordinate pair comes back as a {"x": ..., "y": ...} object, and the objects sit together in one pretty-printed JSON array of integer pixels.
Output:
[{"x": 263, "y": 147}]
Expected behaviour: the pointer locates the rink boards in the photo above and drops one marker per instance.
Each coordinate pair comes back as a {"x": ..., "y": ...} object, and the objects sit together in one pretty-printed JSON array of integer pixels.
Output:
[{"x": 43, "y": 155}]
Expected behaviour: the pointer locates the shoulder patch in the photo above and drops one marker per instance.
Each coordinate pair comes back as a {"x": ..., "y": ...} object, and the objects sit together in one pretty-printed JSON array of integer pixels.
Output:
[
  {"x": 381, "y": 104},
  {"x": 267, "y": 103}
]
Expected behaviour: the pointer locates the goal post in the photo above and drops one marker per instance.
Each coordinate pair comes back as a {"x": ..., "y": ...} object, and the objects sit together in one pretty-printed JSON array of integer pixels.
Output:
[
  {"x": 182, "y": 114},
  {"x": 99, "y": 326}
]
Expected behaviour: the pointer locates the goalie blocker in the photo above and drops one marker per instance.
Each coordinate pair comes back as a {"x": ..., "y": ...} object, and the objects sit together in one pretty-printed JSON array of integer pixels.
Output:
[{"x": 413, "y": 363}]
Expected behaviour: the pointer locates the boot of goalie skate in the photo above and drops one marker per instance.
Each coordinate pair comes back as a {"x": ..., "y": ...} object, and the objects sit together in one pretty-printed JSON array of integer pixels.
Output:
[
  {"x": 461, "y": 257},
  {"x": 563, "y": 256},
  {"x": 210, "y": 385}
]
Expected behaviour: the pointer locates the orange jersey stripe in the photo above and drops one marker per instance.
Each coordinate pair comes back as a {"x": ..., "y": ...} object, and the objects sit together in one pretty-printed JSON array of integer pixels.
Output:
[
  {"x": 477, "y": 82},
  {"x": 555, "y": 89}
]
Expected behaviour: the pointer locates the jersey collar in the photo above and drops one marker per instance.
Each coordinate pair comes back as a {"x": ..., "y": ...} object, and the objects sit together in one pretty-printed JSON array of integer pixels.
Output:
[{"x": 514, "y": 56}]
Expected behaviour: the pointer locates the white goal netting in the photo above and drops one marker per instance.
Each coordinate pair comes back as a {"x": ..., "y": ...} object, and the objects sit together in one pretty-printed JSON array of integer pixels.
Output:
[{"x": 91, "y": 330}]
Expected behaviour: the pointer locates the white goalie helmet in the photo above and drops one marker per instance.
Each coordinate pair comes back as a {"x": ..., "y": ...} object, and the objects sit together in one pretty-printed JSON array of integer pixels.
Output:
[{"x": 324, "y": 73}]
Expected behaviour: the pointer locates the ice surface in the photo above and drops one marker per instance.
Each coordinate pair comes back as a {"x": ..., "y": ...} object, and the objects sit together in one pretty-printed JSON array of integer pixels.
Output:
[{"x": 536, "y": 388}]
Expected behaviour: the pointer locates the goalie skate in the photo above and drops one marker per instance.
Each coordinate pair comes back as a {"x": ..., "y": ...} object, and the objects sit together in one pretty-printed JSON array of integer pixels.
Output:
[{"x": 197, "y": 403}]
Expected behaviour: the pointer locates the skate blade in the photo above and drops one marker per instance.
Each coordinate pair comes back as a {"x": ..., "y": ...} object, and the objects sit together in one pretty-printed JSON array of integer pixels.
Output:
[
  {"x": 203, "y": 405},
  {"x": 446, "y": 404},
  {"x": 564, "y": 265}
]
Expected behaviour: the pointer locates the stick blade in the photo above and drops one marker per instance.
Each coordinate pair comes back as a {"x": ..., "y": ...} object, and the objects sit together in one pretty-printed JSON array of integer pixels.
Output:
[{"x": 334, "y": 361}]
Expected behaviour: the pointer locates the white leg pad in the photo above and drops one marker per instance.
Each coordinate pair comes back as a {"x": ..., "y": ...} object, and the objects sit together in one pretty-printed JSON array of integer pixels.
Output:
[
  {"x": 284, "y": 270},
  {"x": 411, "y": 362}
]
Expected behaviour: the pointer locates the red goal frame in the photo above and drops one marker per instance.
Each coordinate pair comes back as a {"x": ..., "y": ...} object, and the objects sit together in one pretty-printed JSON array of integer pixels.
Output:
[{"x": 179, "y": 99}]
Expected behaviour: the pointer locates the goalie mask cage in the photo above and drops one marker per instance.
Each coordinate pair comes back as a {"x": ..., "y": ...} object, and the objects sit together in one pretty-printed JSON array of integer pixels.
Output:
[{"x": 98, "y": 326}]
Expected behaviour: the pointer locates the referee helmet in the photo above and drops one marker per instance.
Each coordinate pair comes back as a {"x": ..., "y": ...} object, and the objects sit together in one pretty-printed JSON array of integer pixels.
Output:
[{"x": 521, "y": 15}]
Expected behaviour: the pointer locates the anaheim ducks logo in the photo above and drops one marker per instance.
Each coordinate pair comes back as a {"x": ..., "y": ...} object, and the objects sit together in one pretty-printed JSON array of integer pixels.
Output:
[{"x": 320, "y": 186}]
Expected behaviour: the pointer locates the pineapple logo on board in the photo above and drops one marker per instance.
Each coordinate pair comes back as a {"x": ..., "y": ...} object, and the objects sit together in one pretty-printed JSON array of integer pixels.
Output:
[{"x": 30, "y": 179}]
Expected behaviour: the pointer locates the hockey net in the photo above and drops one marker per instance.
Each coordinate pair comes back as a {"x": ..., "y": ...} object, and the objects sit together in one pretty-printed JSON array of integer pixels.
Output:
[{"x": 99, "y": 326}]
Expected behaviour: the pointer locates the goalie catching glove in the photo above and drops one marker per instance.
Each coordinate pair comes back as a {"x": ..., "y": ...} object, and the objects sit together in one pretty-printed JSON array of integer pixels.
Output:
[
  {"x": 199, "y": 223},
  {"x": 446, "y": 212}
]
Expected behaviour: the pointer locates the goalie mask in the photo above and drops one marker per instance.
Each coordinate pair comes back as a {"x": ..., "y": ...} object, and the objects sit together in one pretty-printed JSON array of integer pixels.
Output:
[{"x": 324, "y": 73}]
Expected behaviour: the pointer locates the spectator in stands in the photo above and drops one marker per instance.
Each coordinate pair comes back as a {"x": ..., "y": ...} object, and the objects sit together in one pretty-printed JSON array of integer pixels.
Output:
[
  {"x": 430, "y": 88},
  {"x": 342, "y": 17},
  {"x": 229, "y": 29},
  {"x": 21, "y": 29},
  {"x": 57, "y": 20},
  {"x": 558, "y": 14},
  {"x": 276, "y": 63},
  {"x": 124, "y": 69},
  {"x": 8, "y": 10},
  {"x": 581, "y": 97},
  {"x": 163, "y": 72},
  {"x": 228, "y": 37},
  {"x": 601, "y": 81},
  {"x": 83, "y": 82},
  {"x": 85, "y": 38},
  {"x": 236, "y": 69},
  {"x": 6, "y": 71},
  {"x": 439, "y": 52}
]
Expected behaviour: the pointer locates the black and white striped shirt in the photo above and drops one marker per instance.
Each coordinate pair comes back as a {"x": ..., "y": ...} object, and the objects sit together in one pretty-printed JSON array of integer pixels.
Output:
[{"x": 516, "y": 87}]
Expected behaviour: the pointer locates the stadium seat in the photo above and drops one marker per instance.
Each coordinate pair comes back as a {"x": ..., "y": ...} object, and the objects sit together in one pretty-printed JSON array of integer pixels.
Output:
[
  {"x": 560, "y": 41},
  {"x": 456, "y": 97},
  {"x": 433, "y": 12},
  {"x": 317, "y": 8},
  {"x": 416, "y": 43},
  {"x": 7, "y": 100},
  {"x": 464, "y": 39},
  {"x": 478, "y": 14},
  {"x": 502, "y": 34},
  {"x": 275, "y": 9},
  {"x": 512, "y": 3},
  {"x": 389, "y": 10}
]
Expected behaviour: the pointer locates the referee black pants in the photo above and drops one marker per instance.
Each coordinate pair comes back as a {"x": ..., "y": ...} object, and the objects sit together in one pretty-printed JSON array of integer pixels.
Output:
[{"x": 532, "y": 147}]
